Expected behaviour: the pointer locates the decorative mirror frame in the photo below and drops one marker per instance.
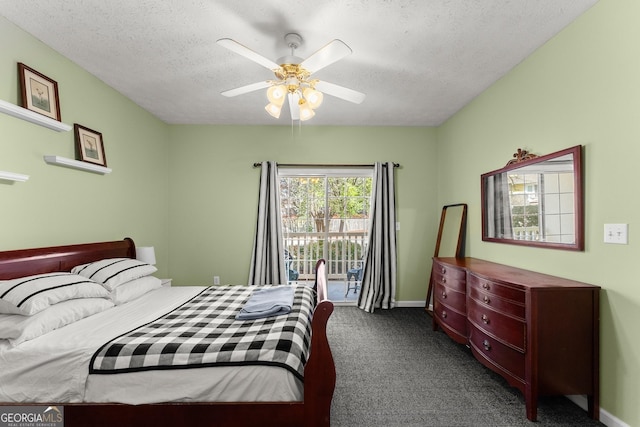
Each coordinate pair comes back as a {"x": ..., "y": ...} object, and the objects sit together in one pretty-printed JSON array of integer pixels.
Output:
[
  {"x": 452, "y": 228},
  {"x": 524, "y": 159}
]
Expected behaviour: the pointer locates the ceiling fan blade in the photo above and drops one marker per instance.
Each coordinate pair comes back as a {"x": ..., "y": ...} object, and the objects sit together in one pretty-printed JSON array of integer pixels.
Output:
[
  {"x": 327, "y": 55},
  {"x": 240, "y": 49},
  {"x": 246, "y": 89},
  {"x": 293, "y": 106},
  {"x": 340, "y": 92}
]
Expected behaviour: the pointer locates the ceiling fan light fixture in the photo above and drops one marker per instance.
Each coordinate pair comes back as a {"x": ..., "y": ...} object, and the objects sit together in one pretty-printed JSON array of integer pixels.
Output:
[
  {"x": 274, "y": 110},
  {"x": 293, "y": 78},
  {"x": 276, "y": 94},
  {"x": 313, "y": 97}
]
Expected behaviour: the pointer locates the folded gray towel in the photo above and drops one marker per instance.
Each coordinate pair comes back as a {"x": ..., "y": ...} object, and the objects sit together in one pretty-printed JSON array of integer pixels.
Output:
[{"x": 266, "y": 302}]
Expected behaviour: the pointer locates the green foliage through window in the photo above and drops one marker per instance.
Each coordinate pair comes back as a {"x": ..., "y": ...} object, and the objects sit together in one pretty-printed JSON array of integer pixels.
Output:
[{"x": 524, "y": 216}]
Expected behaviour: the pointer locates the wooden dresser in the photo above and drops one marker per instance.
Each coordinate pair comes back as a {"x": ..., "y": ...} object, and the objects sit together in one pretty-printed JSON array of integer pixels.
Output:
[{"x": 540, "y": 332}]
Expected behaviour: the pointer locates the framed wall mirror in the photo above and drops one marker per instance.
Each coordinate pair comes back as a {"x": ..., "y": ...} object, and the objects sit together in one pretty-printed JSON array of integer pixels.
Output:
[
  {"x": 536, "y": 201},
  {"x": 450, "y": 240}
]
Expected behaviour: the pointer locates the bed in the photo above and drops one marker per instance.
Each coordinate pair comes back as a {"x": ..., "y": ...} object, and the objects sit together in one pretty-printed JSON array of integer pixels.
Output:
[{"x": 297, "y": 396}]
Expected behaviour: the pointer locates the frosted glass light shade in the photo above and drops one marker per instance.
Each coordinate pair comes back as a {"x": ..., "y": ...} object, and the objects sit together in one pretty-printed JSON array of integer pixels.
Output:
[
  {"x": 273, "y": 110},
  {"x": 305, "y": 111},
  {"x": 313, "y": 97},
  {"x": 146, "y": 254},
  {"x": 276, "y": 94}
]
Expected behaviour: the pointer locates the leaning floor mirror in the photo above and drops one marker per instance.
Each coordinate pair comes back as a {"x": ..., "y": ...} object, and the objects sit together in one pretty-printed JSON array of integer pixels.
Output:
[{"x": 450, "y": 240}]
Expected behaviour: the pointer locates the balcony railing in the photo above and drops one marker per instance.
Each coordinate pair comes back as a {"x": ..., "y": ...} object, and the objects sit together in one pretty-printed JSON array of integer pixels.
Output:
[{"x": 344, "y": 251}]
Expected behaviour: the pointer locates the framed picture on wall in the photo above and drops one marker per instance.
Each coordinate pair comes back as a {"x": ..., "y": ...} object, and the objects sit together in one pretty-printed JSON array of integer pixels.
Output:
[
  {"x": 39, "y": 92},
  {"x": 89, "y": 145}
]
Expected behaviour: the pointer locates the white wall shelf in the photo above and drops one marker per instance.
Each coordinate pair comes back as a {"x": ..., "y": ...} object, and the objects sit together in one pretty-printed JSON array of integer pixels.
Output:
[
  {"x": 10, "y": 176},
  {"x": 76, "y": 164},
  {"x": 33, "y": 117}
]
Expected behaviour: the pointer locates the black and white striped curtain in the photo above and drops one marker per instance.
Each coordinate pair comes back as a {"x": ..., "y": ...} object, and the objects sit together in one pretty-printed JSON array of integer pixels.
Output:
[
  {"x": 267, "y": 259},
  {"x": 498, "y": 221},
  {"x": 379, "y": 276}
]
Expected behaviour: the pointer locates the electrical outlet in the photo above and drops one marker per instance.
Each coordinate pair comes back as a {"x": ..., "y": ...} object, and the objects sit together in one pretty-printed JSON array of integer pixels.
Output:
[
  {"x": 216, "y": 280},
  {"x": 616, "y": 233}
]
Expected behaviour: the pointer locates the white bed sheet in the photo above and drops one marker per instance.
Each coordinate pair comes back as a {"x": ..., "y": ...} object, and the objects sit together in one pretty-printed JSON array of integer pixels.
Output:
[{"x": 54, "y": 367}]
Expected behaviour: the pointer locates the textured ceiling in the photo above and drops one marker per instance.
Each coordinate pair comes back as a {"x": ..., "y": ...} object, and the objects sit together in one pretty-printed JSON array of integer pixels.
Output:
[{"x": 418, "y": 61}]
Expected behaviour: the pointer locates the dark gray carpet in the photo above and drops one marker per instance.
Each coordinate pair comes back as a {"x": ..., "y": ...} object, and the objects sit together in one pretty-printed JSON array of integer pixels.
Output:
[{"x": 393, "y": 370}]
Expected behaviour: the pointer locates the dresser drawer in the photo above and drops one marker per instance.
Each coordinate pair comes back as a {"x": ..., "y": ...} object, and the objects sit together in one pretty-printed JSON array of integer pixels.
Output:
[
  {"x": 450, "y": 318},
  {"x": 451, "y": 277},
  {"x": 497, "y": 353},
  {"x": 450, "y": 297},
  {"x": 508, "y": 329},
  {"x": 497, "y": 303},
  {"x": 494, "y": 288}
]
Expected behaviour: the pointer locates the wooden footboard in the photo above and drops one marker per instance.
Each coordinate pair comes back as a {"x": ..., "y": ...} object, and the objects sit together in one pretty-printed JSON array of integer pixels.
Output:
[{"x": 319, "y": 374}]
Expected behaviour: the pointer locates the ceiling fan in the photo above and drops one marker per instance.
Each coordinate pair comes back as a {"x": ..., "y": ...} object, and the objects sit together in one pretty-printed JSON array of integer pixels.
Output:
[{"x": 293, "y": 77}]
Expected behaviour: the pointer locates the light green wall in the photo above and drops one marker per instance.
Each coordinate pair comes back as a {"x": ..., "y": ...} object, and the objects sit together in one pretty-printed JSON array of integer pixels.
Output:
[
  {"x": 214, "y": 192},
  {"x": 583, "y": 87},
  {"x": 191, "y": 191},
  {"x": 57, "y": 205}
]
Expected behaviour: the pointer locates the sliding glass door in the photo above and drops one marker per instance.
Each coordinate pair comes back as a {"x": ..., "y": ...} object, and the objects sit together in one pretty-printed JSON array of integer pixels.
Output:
[{"x": 325, "y": 214}]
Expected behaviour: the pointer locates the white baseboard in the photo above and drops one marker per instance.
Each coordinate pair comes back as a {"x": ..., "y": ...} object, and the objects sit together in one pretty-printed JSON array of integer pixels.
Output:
[
  {"x": 605, "y": 417},
  {"x": 410, "y": 303}
]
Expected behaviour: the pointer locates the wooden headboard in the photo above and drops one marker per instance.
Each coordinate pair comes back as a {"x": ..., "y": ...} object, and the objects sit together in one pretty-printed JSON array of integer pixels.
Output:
[{"x": 26, "y": 262}]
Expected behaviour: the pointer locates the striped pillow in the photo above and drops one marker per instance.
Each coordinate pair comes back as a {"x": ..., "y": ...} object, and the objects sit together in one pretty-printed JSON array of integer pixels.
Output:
[
  {"x": 32, "y": 294},
  {"x": 113, "y": 272}
]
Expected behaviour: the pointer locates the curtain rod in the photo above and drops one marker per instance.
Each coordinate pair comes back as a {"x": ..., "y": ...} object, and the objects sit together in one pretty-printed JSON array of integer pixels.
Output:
[{"x": 302, "y": 165}]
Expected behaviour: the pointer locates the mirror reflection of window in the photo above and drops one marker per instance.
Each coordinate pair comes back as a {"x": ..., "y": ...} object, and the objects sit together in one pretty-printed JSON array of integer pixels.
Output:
[
  {"x": 523, "y": 200},
  {"x": 537, "y": 202}
]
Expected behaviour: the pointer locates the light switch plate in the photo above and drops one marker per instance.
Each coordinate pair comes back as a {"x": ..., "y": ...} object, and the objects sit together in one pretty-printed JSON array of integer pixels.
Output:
[{"x": 616, "y": 233}]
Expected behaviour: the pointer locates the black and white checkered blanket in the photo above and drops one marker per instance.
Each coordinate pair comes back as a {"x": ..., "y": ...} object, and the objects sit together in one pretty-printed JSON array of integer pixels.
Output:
[{"x": 203, "y": 332}]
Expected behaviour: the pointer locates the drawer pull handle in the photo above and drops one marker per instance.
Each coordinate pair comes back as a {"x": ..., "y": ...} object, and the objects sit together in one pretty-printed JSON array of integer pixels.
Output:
[
  {"x": 485, "y": 286},
  {"x": 444, "y": 270},
  {"x": 444, "y": 295},
  {"x": 486, "y": 299},
  {"x": 444, "y": 280},
  {"x": 444, "y": 314},
  {"x": 486, "y": 345},
  {"x": 485, "y": 319}
]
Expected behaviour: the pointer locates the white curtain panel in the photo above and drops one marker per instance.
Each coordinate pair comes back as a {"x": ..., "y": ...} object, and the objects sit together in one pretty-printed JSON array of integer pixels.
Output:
[
  {"x": 379, "y": 276},
  {"x": 267, "y": 259}
]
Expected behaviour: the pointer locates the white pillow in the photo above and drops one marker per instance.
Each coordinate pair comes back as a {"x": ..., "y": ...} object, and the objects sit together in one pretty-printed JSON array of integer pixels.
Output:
[
  {"x": 134, "y": 289},
  {"x": 112, "y": 272},
  {"x": 17, "y": 328},
  {"x": 32, "y": 294}
]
